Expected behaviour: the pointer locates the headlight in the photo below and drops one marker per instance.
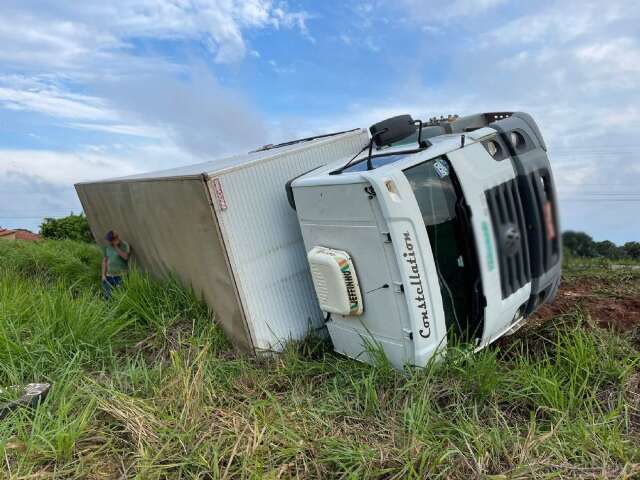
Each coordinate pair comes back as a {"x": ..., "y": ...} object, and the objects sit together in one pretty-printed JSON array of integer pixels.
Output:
[
  {"x": 493, "y": 148},
  {"x": 517, "y": 140}
]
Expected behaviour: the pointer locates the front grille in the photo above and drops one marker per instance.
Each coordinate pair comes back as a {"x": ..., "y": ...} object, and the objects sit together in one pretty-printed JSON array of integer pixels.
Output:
[{"x": 510, "y": 232}]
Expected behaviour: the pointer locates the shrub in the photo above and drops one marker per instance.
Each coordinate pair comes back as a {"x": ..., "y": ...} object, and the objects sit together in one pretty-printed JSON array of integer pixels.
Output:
[
  {"x": 632, "y": 250},
  {"x": 73, "y": 227}
]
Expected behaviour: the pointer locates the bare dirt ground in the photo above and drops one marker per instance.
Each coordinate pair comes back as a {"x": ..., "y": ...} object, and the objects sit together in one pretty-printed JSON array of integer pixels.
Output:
[{"x": 610, "y": 301}]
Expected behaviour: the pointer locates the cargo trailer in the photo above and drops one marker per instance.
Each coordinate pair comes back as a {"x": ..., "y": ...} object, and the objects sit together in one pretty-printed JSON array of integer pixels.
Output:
[{"x": 224, "y": 228}]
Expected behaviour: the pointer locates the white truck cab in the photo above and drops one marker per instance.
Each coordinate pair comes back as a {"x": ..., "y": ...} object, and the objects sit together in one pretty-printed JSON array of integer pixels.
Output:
[{"x": 437, "y": 232}]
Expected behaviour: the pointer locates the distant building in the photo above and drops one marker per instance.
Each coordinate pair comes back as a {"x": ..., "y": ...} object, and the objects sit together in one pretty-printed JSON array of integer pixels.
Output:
[{"x": 18, "y": 234}]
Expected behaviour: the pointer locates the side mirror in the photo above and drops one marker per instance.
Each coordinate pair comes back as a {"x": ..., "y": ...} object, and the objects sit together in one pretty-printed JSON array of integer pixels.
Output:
[{"x": 392, "y": 130}]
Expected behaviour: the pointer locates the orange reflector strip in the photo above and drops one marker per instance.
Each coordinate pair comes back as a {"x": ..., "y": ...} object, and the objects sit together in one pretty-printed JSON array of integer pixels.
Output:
[{"x": 548, "y": 221}]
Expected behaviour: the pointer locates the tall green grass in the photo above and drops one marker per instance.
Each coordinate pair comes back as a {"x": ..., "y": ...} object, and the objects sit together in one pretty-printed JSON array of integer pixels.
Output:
[
  {"x": 76, "y": 263},
  {"x": 146, "y": 386}
]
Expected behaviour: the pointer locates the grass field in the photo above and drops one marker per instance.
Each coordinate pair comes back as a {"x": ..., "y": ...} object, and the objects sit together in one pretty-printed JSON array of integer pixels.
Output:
[{"x": 146, "y": 386}]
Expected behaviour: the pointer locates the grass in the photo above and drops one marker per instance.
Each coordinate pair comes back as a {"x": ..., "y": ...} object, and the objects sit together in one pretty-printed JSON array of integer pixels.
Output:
[
  {"x": 146, "y": 386},
  {"x": 598, "y": 263}
]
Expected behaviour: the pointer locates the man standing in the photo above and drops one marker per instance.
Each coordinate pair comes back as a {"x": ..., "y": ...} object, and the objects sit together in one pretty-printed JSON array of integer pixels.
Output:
[{"x": 115, "y": 262}]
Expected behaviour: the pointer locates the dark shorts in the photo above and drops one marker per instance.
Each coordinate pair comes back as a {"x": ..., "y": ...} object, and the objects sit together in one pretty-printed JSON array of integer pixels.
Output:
[{"x": 109, "y": 283}]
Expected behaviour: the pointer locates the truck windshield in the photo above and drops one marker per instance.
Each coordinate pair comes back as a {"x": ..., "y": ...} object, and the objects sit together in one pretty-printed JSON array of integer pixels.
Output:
[{"x": 441, "y": 205}]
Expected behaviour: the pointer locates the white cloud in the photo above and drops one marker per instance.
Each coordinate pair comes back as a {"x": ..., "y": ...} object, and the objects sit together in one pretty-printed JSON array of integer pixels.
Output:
[
  {"x": 133, "y": 130},
  {"x": 196, "y": 112},
  {"x": 422, "y": 11},
  {"x": 62, "y": 49},
  {"x": 55, "y": 103},
  {"x": 62, "y": 168},
  {"x": 25, "y": 200},
  {"x": 39, "y": 183},
  {"x": 549, "y": 25},
  {"x": 622, "y": 54},
  {"x": 47, "y": 98},
  {"x": 559, "y": 22},
  {"x": 28, "y": 39},
  {"x": 613, "y": 63},
  {"x": 346, "y": 39},
  {"x": 83, "y": 29},
  {"x": 461, "y": 8},
  {"x": 515, "y": 61},
  {"x": 282, "y": 69}
]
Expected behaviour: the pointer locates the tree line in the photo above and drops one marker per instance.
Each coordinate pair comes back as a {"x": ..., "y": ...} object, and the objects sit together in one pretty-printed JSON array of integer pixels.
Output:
[{"x": 580, "y": 244}]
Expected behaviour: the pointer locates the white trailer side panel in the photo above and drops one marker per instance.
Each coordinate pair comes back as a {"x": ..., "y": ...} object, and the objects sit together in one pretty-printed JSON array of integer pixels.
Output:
[{"x": 264, "y": 242}]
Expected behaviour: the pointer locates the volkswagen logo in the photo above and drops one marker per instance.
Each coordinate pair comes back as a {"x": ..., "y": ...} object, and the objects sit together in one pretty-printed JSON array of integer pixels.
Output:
[{"x": 511, "y": 239}]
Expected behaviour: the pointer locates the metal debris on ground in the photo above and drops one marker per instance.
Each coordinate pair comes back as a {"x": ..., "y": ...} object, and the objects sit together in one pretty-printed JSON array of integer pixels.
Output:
[{"x": 31, "y": 396}]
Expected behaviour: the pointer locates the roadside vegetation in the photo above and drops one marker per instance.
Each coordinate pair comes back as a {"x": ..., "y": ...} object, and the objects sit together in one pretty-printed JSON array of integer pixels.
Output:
[
  {"x": 147, "y": 386},
  {"x": 71, "y": 227},
  {"x": 581, "y": 245}
]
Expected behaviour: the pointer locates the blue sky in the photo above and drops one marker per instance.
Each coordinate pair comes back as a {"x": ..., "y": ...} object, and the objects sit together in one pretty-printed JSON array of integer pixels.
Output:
[{"x": 97, "y": 89}]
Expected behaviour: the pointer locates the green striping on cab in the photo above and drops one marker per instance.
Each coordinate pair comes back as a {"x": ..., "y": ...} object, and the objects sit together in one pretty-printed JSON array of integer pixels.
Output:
[{"x": 488, "y": 246}]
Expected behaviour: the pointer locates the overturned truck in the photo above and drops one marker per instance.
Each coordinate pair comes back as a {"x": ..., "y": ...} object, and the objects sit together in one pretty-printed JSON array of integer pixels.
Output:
[{"x": 405, "y": 236}]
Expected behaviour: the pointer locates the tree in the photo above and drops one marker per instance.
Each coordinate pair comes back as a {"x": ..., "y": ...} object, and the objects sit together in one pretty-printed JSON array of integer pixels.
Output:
[
  {"x": 610, "y": 250},
  {"x": 73, "y": 227},
  {"x": 632, "y": 250},
  {"x": 579, "y": 244}
]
